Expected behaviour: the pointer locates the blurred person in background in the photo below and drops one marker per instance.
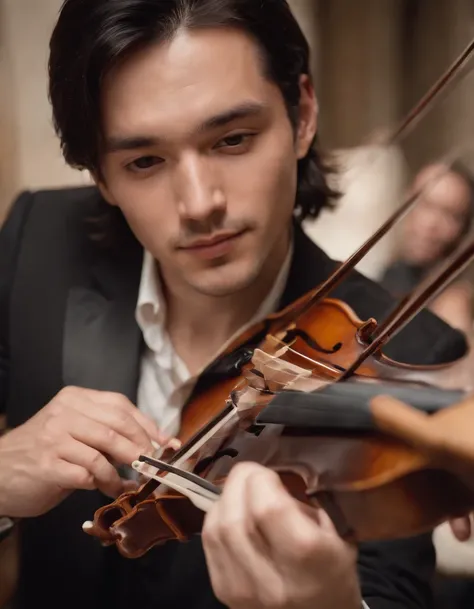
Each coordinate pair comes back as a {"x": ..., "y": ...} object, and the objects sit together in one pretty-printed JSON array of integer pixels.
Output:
[{"x": 439, "y": 221}]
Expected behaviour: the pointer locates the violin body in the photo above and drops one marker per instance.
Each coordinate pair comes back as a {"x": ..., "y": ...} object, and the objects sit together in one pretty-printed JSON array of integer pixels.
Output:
[{"x": 371, "y": 486}]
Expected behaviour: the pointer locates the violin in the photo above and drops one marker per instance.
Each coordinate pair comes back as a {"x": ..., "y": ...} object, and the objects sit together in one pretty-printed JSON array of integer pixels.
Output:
[
  {"x": 445, "y": 437},
  {"x": 286, "y": 399}
]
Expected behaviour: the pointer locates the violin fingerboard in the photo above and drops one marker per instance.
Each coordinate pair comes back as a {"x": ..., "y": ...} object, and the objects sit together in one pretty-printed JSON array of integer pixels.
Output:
[{"x": 346, "y": 406}]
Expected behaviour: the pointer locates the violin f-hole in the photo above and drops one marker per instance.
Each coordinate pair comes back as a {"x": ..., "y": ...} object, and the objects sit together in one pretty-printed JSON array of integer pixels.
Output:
[{"x": 297, "y": 333}]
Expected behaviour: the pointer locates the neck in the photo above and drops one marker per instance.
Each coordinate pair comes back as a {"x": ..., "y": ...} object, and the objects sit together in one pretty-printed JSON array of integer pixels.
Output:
[{"x": 199, "y": 332}]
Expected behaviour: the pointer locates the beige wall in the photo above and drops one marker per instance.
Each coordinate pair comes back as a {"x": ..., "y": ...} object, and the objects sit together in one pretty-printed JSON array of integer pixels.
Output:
[
  {"x": 8, "y": 147},
  {"x": 29, "y": 154}
]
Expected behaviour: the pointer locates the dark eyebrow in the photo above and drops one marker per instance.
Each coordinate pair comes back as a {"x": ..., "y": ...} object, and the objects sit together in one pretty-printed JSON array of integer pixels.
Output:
[
  {"x": 116, "y": 144},
  {"x": 244, "y": 110}
]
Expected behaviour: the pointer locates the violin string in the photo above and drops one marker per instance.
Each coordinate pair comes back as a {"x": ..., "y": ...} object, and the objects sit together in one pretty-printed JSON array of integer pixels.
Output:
[{"x": 421, "y": 296}]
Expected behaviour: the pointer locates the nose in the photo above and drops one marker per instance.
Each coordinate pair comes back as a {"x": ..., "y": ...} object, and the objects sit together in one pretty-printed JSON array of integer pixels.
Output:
[{"x": 200, "y": 197}]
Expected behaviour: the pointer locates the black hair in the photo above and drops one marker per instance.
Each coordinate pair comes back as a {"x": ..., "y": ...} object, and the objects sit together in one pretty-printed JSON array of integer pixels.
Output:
[{"x": 93, "y": 36}]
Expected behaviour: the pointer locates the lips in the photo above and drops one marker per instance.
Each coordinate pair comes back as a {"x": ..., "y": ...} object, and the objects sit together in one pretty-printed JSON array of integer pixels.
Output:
[
  {"x": 204, "y": 243},
  {"x": 218, "y": 247}
]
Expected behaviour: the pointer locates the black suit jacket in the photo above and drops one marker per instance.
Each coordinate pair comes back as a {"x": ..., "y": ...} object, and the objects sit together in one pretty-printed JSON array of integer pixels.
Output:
[{"x": 67, "y": 318}]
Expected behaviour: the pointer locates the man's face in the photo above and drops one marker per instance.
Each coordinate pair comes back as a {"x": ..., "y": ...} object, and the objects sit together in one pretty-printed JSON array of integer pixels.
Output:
[
  {"x": 202, "y": 159},
  {"x": 439, "y": 216}
]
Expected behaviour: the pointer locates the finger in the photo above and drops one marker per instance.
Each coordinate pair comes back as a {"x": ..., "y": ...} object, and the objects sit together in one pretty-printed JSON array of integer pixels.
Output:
[
  {"x": 113, "y": 411},
  {"x": 289, "y": 532},
  {"x": 102, "y": 438},
  {"x": 461, "y": 528},
  {"x": 105, "y": 476},
  {"x": 161, "y": 438},
  {"x": 239, "y": 545},
  {"x": 120, "y": 403},
  {"x": 70, "y": 477},
  {"x": 217, "y": 559},
  {"x": 402, "y": 421}
]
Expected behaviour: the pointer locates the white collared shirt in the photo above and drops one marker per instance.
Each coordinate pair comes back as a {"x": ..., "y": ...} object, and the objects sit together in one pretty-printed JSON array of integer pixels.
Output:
[{"x": 165, "y": 383}]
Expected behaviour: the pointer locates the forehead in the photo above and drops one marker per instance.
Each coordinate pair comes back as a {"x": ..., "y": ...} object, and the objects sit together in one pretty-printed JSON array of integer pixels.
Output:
[
  {"x": 449, "y": 191},
  {"x": 172, "y": 87}
]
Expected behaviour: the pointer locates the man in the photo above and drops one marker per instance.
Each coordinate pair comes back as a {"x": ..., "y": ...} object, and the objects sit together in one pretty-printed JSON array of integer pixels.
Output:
[{"x": 197, "y": 120}]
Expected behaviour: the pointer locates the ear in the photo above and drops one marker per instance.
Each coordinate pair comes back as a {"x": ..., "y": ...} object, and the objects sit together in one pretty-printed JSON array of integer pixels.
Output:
[
  {"x": 104, "y": 191},
  {"x": 307, "y": 117}
]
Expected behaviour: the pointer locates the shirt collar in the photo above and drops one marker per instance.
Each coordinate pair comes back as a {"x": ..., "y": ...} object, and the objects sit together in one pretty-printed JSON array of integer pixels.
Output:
[{"x": 151, "y": 305}]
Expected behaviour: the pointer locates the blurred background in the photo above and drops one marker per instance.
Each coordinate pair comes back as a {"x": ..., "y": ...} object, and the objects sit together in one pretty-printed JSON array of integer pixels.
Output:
[{"x": 372, "y": 61}]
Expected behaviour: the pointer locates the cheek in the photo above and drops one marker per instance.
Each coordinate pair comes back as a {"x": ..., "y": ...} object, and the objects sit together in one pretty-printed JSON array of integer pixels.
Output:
[
  {"x": 266, "y": 184},
  {"x": 150, "y": 217}
]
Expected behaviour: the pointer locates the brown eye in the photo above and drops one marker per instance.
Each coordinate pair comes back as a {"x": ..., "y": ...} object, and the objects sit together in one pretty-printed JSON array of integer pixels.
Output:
[
  {"x": 145, "y": 162},
  {"x": 234, "y": 140},
  {"x": 239, "y": 141}
]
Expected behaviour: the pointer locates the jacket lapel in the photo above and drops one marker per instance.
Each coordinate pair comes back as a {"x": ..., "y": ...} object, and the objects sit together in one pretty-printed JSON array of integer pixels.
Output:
[
  {"x": 310, "y": 266},
  {"x": 102, "y": 340}
]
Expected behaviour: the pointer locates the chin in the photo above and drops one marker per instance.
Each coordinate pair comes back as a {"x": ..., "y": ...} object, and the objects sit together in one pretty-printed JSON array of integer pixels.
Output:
[{"x": 226, "y": 280}]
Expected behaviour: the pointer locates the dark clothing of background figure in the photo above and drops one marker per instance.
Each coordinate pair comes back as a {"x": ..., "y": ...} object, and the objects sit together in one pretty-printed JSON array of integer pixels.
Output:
[
  {"x": 67, "y": 318},
  {"x": 400, "y": 277}
]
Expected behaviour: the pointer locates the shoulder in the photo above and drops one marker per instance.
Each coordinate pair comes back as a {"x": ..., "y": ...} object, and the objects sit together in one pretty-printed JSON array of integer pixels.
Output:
[
  {"x": 45, "y": 206},
  {"x": 57, "y": 201},
  {"x": 40, "y": 222}
]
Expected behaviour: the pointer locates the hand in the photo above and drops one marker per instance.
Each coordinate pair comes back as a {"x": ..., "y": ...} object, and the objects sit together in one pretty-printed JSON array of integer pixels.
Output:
[
  {"x": 445, "y": 436},
  {"x": 265, "y": 549},
  {"x": 71, "y": 444}
]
